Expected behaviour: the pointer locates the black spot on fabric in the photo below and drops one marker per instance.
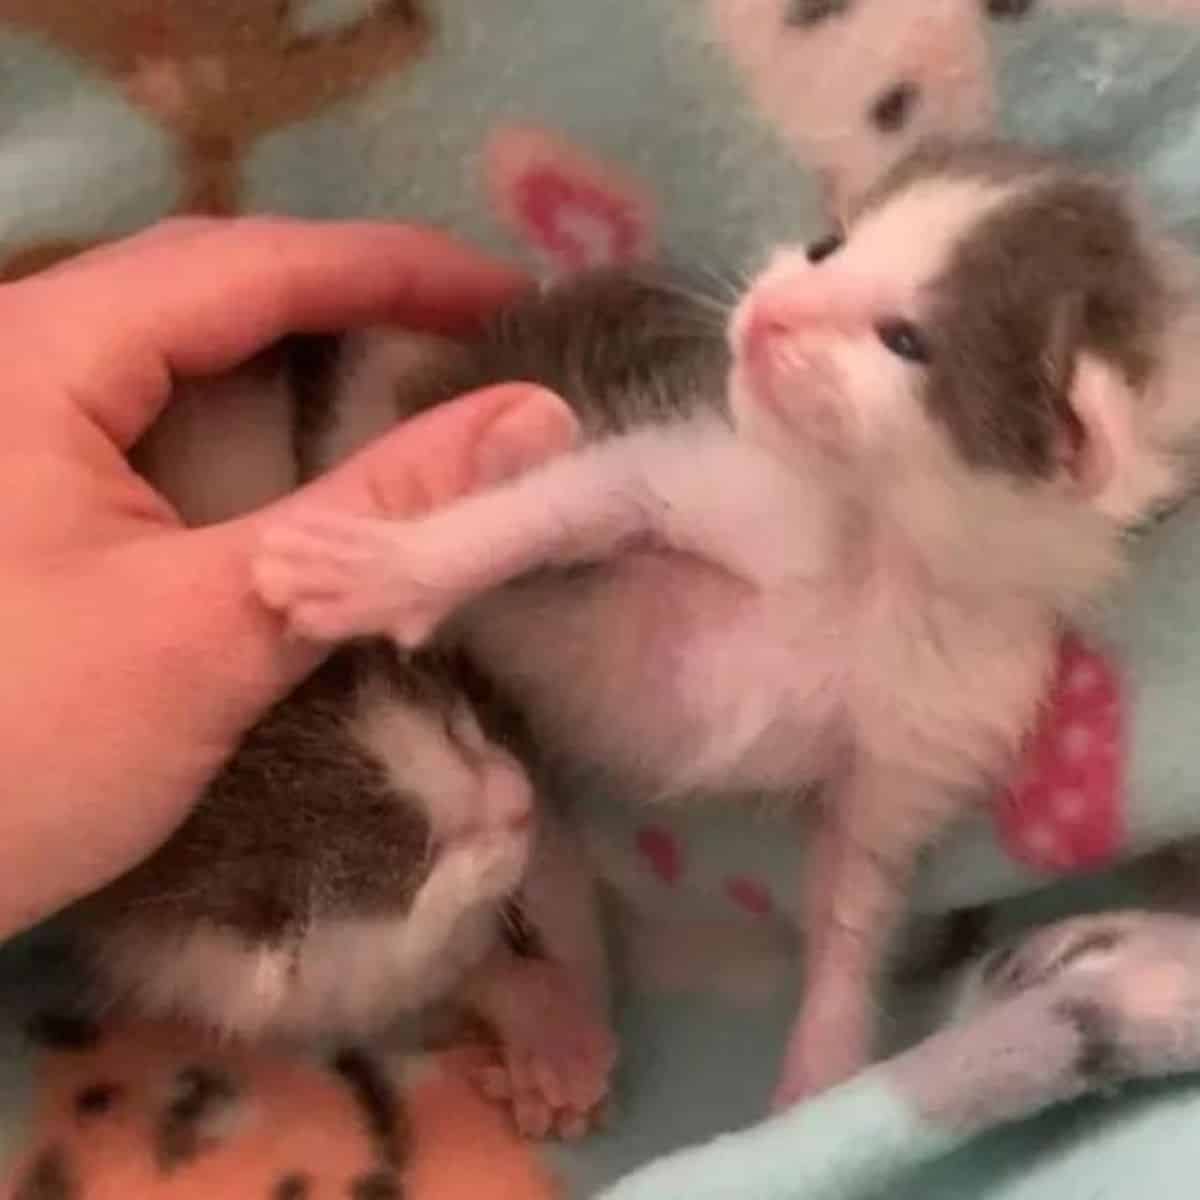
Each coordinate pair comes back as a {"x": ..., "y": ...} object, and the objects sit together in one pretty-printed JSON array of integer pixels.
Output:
[
  {"x": 49, "y": 1178},
  {"x": 377, "y": 1102},
  {"x": 63, "y": 1031},
  {"x": 185, "y": 1127},
  {"x": 378, "y": 1185},
  {"x": 1007, "y": 9},
  {"x": 803, "y": 14},
  {"x": 292, "y": 1187},
  {"x": 97, "y": 1098},
  {"x": 1098, "y": 1060},
  {"x": 891, "y": 111}
]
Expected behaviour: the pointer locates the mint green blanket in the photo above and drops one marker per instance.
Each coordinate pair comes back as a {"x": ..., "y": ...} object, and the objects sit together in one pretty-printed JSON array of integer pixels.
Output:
[{"x": 575, "y": 131}]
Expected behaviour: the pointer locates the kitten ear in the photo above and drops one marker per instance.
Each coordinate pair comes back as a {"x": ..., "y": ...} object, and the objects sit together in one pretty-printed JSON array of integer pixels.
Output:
[
  {"x": 1091, "y": 413},
  {"x": 1101, "y": 438}
]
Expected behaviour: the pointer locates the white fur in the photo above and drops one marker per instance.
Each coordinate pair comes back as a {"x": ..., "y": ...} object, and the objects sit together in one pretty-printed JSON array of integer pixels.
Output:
[
  {"x": 760, "y": 677},
  {"x": 466, "y": 784},
  {"x": 350, "y": 977}
]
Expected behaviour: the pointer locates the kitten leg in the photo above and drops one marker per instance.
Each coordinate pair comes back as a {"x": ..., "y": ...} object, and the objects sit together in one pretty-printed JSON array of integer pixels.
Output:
[
  {"x": 551, "y": 1012},
  {"x": 876, "y": 824},
  {"x": 561, "y": 903},
  {"x": 556, "y": 1049},
  {"x": 336, "y": 576}
]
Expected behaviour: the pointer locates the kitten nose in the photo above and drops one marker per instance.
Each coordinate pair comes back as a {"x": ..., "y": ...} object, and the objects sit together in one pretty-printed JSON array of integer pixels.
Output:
[
  {"x": 507, "y": 795},
  {"x": 797, "y": 304},
  {"x": 773, "y": 318},
  {"x": 765, "y": 325}
]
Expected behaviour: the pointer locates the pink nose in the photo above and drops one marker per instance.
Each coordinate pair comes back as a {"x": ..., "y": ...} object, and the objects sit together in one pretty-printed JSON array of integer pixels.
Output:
[
  {"x": 763, "y": 327},
  {"x": 508, "y": 795},
  {"x": 784, "y": 314},
  {"x": 807, "y": 303}
]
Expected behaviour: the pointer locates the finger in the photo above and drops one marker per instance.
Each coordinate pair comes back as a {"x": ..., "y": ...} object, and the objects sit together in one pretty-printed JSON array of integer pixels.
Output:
[
  {"x": 428, "y": 460},
  {"x": 204, "y": 300},
  {"x": 170, "y": 229},
  {"x": 472, "y": 442}
]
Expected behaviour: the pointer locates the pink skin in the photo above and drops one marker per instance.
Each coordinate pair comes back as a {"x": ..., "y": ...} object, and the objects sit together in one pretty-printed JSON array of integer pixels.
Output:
[{"x": 137, "y": 653}]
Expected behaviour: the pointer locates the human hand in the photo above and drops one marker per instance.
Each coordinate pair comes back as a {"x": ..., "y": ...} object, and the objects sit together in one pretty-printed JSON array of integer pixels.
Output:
[{"x": 136, "y": 654}]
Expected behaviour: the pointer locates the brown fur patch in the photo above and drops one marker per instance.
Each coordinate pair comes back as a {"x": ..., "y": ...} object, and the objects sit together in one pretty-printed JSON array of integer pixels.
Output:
[
  {"x": 1060, "y": 267},
  {"x": 1057, "y": 270},
  {"x": 624, "y": 347},
  {"x": 303, "y": 822}
]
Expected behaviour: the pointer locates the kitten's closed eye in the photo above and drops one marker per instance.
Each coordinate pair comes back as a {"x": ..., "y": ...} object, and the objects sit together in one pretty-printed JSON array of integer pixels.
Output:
[
  {"x": 821, "y": 249},
  {"x": 904, "y": 339}
]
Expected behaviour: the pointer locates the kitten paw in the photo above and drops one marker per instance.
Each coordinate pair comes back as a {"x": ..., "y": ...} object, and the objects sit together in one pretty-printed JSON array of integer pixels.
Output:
[
  {"x": 336, "y": 576},
  {"x": 556, "y": 1055},
  {"x": 1127, "y": 983},
  {"x": 1079, "y": 947}
]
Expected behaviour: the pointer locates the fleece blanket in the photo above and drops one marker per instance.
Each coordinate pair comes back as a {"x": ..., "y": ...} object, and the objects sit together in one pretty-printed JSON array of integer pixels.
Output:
[{"x": 571, "y": 133}]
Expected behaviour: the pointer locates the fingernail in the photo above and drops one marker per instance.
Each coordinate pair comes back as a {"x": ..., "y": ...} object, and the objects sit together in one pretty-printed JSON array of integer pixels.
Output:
[{"x": 524, "y": 435}]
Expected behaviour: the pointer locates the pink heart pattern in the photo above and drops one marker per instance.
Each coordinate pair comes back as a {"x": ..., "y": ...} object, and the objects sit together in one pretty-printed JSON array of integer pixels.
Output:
[{"x": 663, "y": 853}]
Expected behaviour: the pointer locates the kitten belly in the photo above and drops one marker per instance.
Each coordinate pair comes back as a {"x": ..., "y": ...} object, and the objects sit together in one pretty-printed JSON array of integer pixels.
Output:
[{"x": 664, "y": 671}]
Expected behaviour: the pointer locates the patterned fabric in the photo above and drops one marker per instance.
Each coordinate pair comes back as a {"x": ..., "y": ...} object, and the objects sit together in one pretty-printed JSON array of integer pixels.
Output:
[{"x": 570, "y": 133}]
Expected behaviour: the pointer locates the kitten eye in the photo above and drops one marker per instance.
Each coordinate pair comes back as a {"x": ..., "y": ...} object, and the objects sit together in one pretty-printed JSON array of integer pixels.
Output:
[
  {"x": 821, "y": 249},
  {"x": 904, "y": 340}
]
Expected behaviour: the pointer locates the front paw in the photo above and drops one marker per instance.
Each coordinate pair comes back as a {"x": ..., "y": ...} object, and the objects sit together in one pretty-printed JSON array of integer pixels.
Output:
[
  {"x": 556, "y": 1054},
  {"x": 335, "y": 576}
]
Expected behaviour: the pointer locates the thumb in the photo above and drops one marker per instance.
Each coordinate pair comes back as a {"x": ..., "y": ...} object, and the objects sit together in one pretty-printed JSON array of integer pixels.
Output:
[
  {"x": 472, "y": 442},
  {"x": 444, "y": 453}
]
